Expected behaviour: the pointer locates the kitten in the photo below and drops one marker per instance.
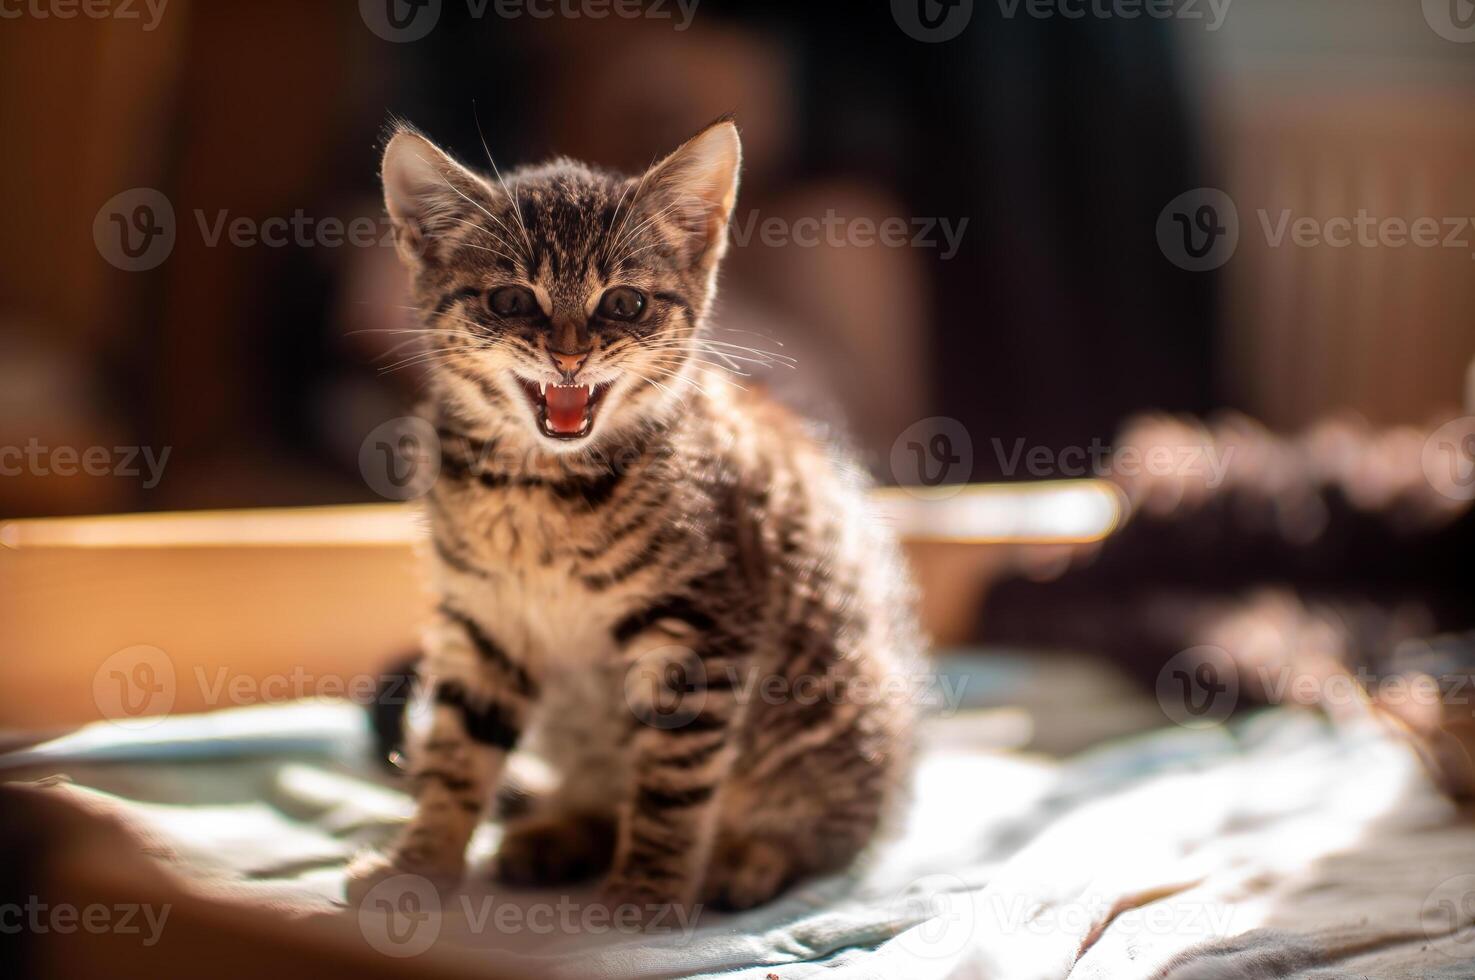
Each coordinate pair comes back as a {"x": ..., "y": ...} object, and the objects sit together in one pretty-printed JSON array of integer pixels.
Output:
[{"x": 659, "y": 582}]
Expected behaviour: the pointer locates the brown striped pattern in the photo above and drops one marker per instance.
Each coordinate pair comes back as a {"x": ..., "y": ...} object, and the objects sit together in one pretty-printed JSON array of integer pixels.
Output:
[{"x": 645, "y": 607}]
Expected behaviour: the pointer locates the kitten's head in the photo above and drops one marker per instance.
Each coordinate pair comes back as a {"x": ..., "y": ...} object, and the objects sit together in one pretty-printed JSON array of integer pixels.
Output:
[{"x": 563, "y": 302}]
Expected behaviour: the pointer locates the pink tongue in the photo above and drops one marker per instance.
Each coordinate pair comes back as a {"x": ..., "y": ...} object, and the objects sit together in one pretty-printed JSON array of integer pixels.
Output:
[{"x": 566, "y": 407}]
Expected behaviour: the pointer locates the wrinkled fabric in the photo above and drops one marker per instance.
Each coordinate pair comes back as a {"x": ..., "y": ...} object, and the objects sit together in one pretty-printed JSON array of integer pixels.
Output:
[{"x": 1285, "y": 846}]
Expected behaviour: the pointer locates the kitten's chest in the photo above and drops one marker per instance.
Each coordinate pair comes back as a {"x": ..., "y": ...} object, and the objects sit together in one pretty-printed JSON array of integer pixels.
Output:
[{"x": 529, "y": 589}]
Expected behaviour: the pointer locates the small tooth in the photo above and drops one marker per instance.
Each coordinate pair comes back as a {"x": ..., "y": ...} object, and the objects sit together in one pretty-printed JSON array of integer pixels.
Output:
[
  {"x": 585, "y": 427},
  {"x": 542, "y": 387}
]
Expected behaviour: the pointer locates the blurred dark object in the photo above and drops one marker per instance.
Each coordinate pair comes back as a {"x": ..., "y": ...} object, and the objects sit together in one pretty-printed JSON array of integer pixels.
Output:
[
  {"x": 1428, "y": 688},
  {"x": 1334, "y": 539},
  {"x": 391, "y": 701}
]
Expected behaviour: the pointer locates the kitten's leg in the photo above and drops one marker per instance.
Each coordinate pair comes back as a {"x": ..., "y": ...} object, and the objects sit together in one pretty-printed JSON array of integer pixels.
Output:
[
  {"x": 478, "y": 700},
  {"x": 748, "y": 871},
  {"x": 568, "y": 834},
  {"x": 686, "y": 710},
  {"x": 820, "y": 780},
  {"x": 555, "y": 848},
  {"x": 812, "y": 817}
]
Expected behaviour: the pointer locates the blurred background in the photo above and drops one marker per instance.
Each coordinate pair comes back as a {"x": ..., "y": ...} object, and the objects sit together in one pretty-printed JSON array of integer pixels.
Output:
[
  {"x": 1110, "y": 209},
  {"x": 1001, "y": 240}
]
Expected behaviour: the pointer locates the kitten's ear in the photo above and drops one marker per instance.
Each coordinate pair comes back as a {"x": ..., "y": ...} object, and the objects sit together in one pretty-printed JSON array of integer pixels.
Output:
[
  {"x": 696, "y": 186},
  {"x": 426, "y": 193}
]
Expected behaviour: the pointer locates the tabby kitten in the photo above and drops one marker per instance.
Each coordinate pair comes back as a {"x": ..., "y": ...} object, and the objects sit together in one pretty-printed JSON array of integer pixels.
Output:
[{"x": 660, "y": 583}]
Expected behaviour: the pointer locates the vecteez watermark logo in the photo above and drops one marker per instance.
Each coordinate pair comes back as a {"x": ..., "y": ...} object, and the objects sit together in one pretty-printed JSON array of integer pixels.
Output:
[
  {"x": 834, "y": 230},
  {"x": 404, "y": 915},
  {"x": 148, "y": 12},
  {"x": 134, "y": 230},
  {"x": 135, "y": 687},
  {"x": 41, "y": 918},
  {"x": 138, "y": 686},
  {"x": 1363, "y": 230},
  {"x": 932, "y": 21},
  {"x": 1211, "y": 12},
  {"x": 402, "y": 21},
  {"x": 942, "y": 20},
  {"x": 1199, "y": 687},
  {"x": 400, "y": 459},
  {"x": 401, "y": 916},
  {"x": 131, "y": 462},
  {"x": 1204, "y": 461},
  {"x": 943, "y": 910},
  {"x": 1448, "y": 459},
  {"x": 1448, "y": 913},
  {"x": 1199, "y": 229},
  {"x": 1453, "y": 20},
  {"x": 137, "y": 230},
  {"x": 932, "y": 458},
  {"x": 668, "y": 686}
]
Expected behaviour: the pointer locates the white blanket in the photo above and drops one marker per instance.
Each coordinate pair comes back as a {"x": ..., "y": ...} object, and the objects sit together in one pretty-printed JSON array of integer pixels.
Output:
[{"x": 1287, "y": 847}]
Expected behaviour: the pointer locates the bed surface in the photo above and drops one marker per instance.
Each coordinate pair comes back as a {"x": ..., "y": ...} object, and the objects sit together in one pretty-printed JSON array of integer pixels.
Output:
[{"x": 1284, "y": 845}]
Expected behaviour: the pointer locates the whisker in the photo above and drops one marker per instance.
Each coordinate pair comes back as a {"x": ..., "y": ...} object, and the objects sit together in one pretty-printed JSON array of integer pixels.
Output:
[
  {"x": 466, "y": 320},
  {"x": 447, "y": 181},
  {"x": 609, "y": 229},
  {"x": 752, "y": 350},
  {"x": 396, "y": 348},
  {"x": 489, "y": 233},
  {"x": 431, "y": 355},
  {"x": 639, "y": 189},
  {"x": 417, "y": 336},
  {"x": 693, "y": 383},
  {"x": 730, "y": 358},
  {"x": 722, "y": 371},
  {"x": 721, "y": 374},
  {"x": 414, "y": 330},
  {"x": 752, "y": 333},
  {"x": 652, "y": 382},
  {"x": 516, "y": 204},
  {"x": 748, "y": 360},
  {"x": 457, "y": 349},
  {"x": 644, "y": 248},
  {"x": 631, "y": 233},
  {"x": 678, "y": 375}
]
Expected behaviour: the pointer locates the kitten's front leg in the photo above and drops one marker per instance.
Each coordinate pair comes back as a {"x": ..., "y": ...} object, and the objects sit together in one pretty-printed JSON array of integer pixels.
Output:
[
  {"x": 681, "y": 690},
  {"x": 477, "y": 699}
]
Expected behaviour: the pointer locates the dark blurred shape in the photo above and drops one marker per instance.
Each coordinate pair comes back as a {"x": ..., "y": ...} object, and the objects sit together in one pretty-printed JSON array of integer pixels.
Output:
[
  {"x": 387, "y": 711},
  {"x": 1331, "y": 543}
]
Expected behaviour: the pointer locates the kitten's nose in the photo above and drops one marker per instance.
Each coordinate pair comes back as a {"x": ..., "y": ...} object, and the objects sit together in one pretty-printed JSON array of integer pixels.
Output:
[{"x": 568, "y": 364}]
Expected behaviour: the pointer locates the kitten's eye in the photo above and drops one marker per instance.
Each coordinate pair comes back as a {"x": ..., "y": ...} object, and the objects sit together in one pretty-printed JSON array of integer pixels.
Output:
[
  {"x": 621, "y": 303},
  {"x": 512, "y": 301}
]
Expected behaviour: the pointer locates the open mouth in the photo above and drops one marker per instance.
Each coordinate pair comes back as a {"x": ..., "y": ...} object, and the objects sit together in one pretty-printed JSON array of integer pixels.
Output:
[{"x": 564, "y": 411}]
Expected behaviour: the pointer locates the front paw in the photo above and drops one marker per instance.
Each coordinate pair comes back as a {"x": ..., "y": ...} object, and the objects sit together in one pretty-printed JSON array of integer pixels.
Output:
[
  {"x": 643, "y": 904},
  {"x": 368, "y": 872},
  {"x": 555, "y": 850}
]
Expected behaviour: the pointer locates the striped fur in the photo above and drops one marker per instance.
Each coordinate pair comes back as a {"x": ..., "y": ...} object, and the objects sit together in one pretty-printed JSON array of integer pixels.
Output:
[{"x": 689, "y": 613}]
